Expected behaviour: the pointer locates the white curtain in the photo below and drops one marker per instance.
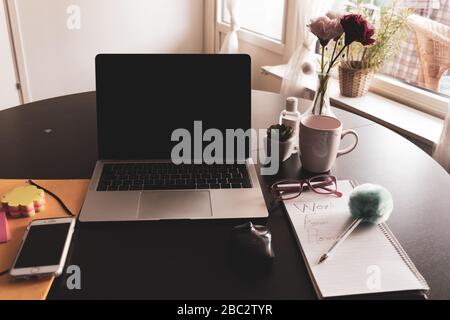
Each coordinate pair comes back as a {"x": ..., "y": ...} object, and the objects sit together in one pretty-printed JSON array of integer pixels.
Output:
[
  {"x": 297, "y": 71},
  {"x": 442, "y": 152},
  {"x": 231, "y": 41}
]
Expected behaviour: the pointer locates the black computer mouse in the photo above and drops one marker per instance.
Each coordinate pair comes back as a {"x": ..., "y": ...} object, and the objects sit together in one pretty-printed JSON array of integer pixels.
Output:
[{"x": 252, "y": 242}]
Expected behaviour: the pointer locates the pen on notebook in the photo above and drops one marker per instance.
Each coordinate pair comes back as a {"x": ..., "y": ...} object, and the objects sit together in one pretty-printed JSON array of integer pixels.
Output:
[
  {"x": 369, "y": 203},
  {"x": 341, "y": 239}
]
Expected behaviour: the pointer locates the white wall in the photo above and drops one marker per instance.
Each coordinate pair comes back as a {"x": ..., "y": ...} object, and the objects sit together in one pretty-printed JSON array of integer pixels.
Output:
[
  {"x": 59, "y": 61},
  {"x": 9, "y": 96}
]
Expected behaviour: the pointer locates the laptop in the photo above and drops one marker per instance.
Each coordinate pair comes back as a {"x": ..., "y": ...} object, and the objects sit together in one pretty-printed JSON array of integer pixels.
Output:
[{"x": 142, "y": 101}]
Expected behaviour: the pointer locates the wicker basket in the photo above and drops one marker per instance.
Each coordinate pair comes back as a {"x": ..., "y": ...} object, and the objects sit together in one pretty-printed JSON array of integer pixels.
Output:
[{"x": 354, "y": 82}]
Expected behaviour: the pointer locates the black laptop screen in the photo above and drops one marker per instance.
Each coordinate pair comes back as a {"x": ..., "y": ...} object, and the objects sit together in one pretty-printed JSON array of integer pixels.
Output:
[{"x": 142, "y": 99}]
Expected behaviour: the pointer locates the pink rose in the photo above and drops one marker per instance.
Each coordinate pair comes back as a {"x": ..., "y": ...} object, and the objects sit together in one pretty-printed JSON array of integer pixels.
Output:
[{"x": 326, "y": 29}]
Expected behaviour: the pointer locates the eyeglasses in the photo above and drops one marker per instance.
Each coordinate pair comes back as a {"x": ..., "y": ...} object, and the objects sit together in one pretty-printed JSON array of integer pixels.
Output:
[{"x": 291, "y": 189}]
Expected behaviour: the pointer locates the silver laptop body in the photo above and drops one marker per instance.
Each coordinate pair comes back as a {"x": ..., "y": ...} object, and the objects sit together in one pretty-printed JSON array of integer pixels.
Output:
[{"x": 103, "y": 204}]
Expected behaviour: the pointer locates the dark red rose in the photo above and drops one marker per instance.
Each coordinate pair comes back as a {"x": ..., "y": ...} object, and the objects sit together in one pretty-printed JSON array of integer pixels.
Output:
[{"x": 358, "y": 29}]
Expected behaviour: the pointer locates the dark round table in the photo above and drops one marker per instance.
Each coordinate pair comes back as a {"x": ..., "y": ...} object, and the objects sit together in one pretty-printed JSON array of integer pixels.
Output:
[{"x": 56, "y": 139}]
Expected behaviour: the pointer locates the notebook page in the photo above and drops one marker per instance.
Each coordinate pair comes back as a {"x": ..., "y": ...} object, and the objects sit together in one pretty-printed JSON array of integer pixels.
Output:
[{"x": 366, "y": 262}]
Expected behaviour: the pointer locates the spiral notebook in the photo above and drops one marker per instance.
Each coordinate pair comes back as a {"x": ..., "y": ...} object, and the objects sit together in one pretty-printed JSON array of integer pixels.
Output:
[{"x": 369, "y": 261}]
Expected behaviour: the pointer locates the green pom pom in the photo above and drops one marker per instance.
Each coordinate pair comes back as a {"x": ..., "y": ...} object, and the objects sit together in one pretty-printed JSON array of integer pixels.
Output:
[{"x": 372, "y": 203}]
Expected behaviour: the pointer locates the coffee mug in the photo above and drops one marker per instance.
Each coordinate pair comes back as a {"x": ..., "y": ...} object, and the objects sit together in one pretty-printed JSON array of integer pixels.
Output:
[{"x": 320, "y": 138}]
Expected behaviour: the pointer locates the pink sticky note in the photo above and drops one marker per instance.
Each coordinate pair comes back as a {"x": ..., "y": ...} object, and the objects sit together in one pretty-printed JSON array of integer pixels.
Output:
[{"x": 4, "y": 229}]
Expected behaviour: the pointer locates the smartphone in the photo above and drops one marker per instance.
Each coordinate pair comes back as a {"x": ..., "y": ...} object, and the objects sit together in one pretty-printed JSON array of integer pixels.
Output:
[{"x": 44, "y": 248}]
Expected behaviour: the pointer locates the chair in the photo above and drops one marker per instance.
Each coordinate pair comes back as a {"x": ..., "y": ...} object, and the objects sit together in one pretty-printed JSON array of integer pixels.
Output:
[{"x": 433, "y": 48}]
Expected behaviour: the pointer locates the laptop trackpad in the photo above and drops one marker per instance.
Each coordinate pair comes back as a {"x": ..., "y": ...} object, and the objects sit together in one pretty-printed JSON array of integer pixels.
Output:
[{"x": 174, "y": 205}]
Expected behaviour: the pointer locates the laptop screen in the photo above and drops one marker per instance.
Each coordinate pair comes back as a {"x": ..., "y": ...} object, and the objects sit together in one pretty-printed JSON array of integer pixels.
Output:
[{"x": 143, "y": 98}]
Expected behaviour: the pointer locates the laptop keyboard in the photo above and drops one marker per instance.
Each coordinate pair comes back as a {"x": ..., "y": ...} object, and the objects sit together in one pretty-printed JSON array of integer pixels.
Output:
[{"x": 168, "y": 176}]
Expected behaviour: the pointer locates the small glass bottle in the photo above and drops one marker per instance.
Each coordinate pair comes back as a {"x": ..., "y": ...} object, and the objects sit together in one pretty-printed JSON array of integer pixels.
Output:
[{"x": 291, "y": 117}]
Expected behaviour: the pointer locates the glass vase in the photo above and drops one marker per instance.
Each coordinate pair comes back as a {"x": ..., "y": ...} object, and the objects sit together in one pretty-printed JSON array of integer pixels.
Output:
[{"x": 321, "y": 102}]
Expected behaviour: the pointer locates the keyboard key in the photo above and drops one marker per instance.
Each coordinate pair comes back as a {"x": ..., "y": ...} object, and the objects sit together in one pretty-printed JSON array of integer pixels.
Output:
[
  {"x": 214, "y": 186},
  {"x": 247, "y": 184},
  {"x": 107, "y": 180},
  {"x": 102, "y": 188},
  {"x": 169, "y": 187},
  {"x": 124, "y": 188},
  {"x": 113, "y": 188},
  {"x": 203, "y": 186},
  {"x": 187, "y": 187},
  {"x": 225, "y": 186},
  {"x": 236, "y": 185}
]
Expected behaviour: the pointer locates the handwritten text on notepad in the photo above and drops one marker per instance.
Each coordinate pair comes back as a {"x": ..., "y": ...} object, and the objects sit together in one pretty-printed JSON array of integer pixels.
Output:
[{"x": 314, "y": 207}]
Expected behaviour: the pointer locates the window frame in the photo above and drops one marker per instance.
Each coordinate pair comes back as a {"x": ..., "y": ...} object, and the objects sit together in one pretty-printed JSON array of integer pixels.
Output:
[
  {"x": 424, "y": 100},
  {"x": 252, "y": 37}
]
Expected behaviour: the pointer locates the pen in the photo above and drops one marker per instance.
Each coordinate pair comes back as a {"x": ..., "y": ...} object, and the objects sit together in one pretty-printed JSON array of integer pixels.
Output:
[
  {"x": 341, "y": 239},
  {"x": 368, "y": 202}
]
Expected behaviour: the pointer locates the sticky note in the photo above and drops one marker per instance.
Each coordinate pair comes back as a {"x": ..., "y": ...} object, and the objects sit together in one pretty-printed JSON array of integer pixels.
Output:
[
  {"x": 23, "y": 201},
  {"x": 4, "y": 228}
]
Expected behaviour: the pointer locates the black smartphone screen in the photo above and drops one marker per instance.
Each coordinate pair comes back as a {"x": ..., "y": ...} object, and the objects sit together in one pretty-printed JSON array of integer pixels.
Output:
[{"x": 43, "y": 246}]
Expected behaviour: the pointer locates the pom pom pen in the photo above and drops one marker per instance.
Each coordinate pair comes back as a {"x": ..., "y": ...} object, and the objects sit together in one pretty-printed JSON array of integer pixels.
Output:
[{"x": 369, "y": 203}]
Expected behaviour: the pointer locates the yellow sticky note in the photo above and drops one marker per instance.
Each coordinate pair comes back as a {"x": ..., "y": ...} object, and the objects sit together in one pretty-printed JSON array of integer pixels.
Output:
[{"x": 24, "y": 201}]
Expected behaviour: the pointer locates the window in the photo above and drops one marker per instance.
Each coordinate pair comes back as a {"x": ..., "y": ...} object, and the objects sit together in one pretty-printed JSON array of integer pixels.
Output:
[
  {"x": 263, "y": 17},
  {"x": 263, "y": 23},
  {"x": 410, "y": 67},
  {"x": 408, "y": 64}
]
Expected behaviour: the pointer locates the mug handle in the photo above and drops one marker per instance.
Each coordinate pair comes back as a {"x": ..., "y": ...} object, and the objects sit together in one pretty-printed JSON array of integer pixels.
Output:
[{"x": 351, "y": 148}]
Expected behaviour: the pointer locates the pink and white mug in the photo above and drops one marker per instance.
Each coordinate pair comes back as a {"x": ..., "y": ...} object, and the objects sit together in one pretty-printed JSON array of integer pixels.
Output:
[{"x": 320, "y": 138}]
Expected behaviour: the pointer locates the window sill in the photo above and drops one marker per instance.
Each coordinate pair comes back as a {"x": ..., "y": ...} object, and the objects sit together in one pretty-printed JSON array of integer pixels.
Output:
[{"x": 417, "y": 125}]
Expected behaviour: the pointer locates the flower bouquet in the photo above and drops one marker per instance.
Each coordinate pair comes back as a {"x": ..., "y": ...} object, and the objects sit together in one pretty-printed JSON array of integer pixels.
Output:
[{"x": 343, "y": 31}]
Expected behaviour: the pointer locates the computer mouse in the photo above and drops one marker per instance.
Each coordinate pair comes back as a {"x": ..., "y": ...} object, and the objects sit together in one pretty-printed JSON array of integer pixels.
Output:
[{"x": 253, "y": 242}]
